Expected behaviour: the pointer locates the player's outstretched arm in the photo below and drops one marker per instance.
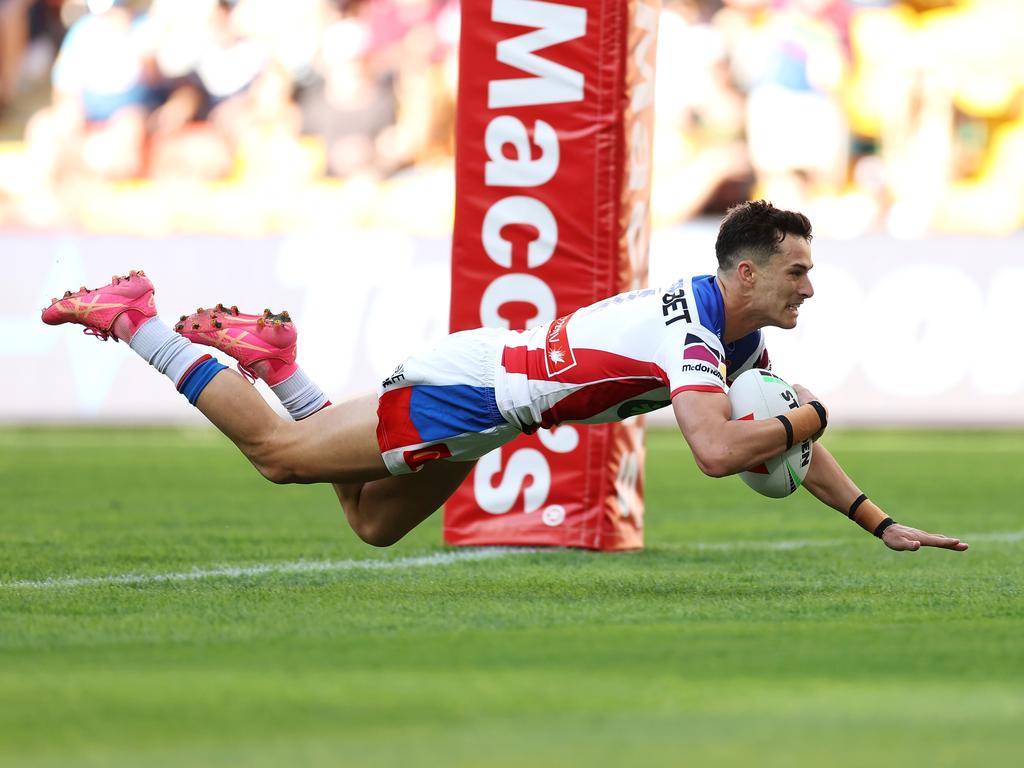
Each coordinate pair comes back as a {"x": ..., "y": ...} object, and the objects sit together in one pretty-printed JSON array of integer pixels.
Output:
[
  {"x": 827, "y": 481},
  {"x": 722, "y": 446}
]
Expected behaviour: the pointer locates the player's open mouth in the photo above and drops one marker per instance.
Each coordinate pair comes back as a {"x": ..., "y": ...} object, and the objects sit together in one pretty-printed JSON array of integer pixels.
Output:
[{"x": 794, "y": 308}]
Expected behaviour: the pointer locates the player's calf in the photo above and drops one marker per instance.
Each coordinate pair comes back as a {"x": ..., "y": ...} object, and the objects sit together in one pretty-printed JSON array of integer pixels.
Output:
[{"x": 383, "y": 511}]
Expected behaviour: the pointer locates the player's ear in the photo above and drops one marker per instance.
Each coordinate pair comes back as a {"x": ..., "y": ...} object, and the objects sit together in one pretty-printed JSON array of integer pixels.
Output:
[{"x": 745, "y": 271}]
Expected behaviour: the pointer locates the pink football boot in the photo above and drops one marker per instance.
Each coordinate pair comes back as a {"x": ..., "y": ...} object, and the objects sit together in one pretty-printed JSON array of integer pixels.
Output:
[
  {"x": 98, "y": 309},
  {"x": 263, "y": 345}
]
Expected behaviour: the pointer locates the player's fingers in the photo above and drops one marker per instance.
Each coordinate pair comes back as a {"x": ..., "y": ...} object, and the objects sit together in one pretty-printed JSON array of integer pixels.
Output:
[{"x": 943, "y": 542}]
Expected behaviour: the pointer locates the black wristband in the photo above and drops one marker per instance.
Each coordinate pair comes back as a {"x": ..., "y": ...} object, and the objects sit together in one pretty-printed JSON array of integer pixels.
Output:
[
  {"x": 883, "y": 525},
  {"x": 856, "y": 503},
  {"x": 789, "y": 431},
  {"x": 820, "y": 409}
]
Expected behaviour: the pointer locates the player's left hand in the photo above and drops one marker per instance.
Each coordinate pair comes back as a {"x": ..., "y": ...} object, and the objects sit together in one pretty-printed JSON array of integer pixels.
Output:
[
  {"x": 804, "y": 396},
  {"x": 903, "y": 537}
]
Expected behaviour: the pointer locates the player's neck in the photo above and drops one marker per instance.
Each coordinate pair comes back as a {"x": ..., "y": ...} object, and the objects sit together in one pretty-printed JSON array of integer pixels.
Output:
[{"x": 739, "y": 319}]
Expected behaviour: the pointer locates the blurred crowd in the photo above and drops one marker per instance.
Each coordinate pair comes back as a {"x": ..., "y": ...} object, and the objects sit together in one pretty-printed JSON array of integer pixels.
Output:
[
  {"x": 240, "y": 116},
  {"x": 869, "y": 115},
  {"x": 257, "y": 116}
]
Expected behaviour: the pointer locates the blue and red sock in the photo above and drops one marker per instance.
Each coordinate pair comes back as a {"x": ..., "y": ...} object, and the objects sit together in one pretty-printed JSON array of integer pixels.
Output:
[{"x": 187, "y": 365}]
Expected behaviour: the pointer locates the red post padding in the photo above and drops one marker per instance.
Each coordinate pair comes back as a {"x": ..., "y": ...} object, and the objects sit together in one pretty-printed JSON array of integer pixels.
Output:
[{"x": 553, "y": 146}]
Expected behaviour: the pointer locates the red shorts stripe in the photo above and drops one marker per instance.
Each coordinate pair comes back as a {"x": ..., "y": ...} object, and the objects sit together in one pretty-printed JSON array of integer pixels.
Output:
[{"x": 394, "y": 424}]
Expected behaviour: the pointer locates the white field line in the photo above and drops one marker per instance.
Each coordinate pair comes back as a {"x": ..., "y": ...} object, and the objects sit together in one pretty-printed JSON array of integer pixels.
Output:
[
  {"x": 298, "y": 566},
  {"x": 424, "y": 561}
]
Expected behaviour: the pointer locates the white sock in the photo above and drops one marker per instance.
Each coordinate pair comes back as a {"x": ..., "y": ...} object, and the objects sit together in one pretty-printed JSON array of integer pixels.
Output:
[
  {"x": 170, "y": 353},
  {"x": 300, "y": 395}
]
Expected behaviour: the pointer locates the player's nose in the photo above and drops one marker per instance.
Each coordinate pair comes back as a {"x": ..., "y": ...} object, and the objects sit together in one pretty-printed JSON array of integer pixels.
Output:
[{"x": 807, "y": 290}]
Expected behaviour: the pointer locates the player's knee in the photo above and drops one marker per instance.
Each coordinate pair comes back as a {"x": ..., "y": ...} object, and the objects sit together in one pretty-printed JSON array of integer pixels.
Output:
[
  {"x": 276, "y": 460},
  {"x": 371, "y": 528},
  {"x": 276, "y": 469},
  {"x": 375, "y": 534},
  {"x": 366, "y": 527},
  {"x": 278, "y": 474}
]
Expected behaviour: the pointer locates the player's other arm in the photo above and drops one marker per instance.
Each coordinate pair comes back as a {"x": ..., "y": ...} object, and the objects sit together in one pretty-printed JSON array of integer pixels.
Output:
[
  {"x": 827, "y": 481},
  {"x": 721, "y": 446}
]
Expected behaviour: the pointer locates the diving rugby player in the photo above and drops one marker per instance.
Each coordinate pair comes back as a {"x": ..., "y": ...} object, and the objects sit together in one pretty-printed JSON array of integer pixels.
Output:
[{"x": 396, "y": 455}]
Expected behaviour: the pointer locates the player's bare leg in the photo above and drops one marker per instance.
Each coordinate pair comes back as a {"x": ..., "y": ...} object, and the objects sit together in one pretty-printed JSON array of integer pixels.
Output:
[
  {"x": 338, "y": 445},
  {"x": 383, "y": 511}
]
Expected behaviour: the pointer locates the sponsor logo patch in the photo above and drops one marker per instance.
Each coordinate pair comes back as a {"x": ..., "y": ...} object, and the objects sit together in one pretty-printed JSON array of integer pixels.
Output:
[
  {"x": 700, "y": 367},
  {"x": 558, "y": 354},
  {"x": 674, "y": 306},
  {"x": 695, "y": 350},
  {"x": 394, "y": 378}
]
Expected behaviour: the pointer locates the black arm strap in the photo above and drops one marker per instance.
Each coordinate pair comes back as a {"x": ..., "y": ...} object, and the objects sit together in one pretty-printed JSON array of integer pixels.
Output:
[
  {"x": 789, "y": 431},
  {"x": 856, "y": 503},
  {"x": 820, "y": 410},
  {"x": 883, "y": 525}
]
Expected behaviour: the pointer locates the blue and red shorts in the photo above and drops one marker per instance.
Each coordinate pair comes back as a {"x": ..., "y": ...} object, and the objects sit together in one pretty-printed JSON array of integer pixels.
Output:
[{"x": 440, "y": 404}]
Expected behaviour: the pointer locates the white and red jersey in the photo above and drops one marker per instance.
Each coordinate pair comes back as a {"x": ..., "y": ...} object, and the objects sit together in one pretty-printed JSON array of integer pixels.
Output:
[
  {"x": 623, "y": 356},
  {"x": 476, "y": 390}
]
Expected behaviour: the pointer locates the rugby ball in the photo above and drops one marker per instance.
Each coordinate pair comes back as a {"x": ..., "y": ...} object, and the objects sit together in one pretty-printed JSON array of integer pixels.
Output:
[{"x": 759, "y": 394}]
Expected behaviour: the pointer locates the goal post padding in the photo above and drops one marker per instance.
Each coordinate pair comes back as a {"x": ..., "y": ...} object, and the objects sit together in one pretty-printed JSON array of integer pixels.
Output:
[{"x": 553, "y": 147}]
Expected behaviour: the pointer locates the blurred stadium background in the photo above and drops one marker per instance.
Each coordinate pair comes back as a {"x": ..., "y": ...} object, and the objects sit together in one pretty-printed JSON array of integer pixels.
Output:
[{"x": 300, "y": 155}]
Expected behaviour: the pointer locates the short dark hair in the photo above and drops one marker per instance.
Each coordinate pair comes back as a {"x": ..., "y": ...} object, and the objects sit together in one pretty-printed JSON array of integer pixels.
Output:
[{"x": 755, "y": 229}]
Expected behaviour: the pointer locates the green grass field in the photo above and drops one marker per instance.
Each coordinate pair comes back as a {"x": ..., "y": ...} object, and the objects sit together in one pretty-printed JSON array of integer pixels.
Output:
[{"x": 750, "y": 632}]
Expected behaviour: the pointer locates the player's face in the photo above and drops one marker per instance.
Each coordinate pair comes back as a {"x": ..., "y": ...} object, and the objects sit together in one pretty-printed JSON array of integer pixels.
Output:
[{"x": 783, "y": 283}]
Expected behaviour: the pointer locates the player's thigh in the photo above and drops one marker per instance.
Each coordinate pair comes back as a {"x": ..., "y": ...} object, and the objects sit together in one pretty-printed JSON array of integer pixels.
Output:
[{"x": 339, "y": 444}]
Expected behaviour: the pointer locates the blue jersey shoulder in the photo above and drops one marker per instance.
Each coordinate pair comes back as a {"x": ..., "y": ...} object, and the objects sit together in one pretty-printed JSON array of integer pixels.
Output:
[
  {"x": 740, "y": 354},
  {"x": 710, "y": 307}
]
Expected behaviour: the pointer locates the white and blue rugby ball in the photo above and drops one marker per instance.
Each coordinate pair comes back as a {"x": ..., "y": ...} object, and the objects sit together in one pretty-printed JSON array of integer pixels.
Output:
[{"x": 759, "y": 394}]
